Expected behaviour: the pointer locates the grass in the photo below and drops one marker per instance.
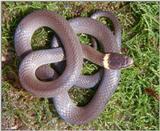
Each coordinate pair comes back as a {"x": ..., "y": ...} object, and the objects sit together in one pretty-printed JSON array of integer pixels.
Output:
[{"x": 129, "y": 108}]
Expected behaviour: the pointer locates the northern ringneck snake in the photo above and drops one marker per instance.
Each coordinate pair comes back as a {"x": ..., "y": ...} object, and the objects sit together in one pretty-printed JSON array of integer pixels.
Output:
[{"x": 37, "y": 77}]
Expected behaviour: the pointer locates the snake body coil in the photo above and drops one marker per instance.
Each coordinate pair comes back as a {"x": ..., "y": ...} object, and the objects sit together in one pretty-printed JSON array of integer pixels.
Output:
[{"x": 34, "y": 66}]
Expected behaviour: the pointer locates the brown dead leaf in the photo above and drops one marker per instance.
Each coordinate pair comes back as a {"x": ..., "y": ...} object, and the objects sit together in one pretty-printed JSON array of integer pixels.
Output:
[{"x": 152, "y": 93}]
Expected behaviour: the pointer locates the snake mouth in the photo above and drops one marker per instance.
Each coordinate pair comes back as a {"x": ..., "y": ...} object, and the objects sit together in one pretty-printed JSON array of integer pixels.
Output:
[
  {"x": 129, "y": 62},
  {"x": 116, "y": 61}
]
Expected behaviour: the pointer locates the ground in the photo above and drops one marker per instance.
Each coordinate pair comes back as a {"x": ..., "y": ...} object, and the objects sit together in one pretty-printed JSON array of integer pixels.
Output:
[{"x": 133, "y": 106}]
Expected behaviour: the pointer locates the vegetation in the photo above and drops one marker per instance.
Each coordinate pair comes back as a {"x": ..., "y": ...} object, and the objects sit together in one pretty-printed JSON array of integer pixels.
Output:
[{"x": 130, "y": 106}]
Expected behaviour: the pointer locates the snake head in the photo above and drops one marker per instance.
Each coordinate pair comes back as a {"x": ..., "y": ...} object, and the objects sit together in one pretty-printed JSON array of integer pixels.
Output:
[{"x": 116, "y": 61}]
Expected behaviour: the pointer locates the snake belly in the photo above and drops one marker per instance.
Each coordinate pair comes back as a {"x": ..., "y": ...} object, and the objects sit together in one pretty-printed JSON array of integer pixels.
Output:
[{"x": 64, "y": 105}]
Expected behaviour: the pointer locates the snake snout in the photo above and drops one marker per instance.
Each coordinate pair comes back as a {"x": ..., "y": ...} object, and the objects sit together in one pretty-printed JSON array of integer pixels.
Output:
[{"x": 128, "y": 61}]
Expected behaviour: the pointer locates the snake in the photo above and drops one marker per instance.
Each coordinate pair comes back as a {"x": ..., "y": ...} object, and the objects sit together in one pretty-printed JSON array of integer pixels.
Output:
[{"x": 42, "y": 80}]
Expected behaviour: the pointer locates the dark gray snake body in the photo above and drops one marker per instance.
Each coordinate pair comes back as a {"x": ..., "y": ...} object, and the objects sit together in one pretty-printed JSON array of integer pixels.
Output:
[{"x": 34, "y": 68}]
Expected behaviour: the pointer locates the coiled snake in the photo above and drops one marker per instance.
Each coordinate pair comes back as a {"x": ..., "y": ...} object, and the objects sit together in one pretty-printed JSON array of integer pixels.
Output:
[{"x": 37, "y": 77}]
